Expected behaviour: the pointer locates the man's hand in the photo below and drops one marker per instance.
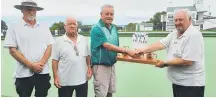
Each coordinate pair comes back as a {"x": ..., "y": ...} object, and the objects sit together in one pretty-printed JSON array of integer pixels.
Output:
[
  {"x": 36, "y": 67},
  {"x": 89, "y": 73},
  {"x": 56, "y": 82},
  {"x": 160, "y": 64},
  {"x": 130, "y": 52},
  {"x": 42, "y": 63},
  {"x": 139, "y": 52}
]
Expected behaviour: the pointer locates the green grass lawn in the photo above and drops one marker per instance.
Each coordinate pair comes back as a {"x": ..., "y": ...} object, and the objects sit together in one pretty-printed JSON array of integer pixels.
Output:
[{"x": 138, "y": 80}]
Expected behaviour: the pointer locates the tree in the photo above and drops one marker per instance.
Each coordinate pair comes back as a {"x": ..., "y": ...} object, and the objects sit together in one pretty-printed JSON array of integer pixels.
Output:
[
  {"x": 79, "y": 23},
  {"x": 4, "y": 27},
  {"x": 156, "y": 20},
  {"x": 131, "y": 27},
  {"x": 85, "y": 28},
  {"x": 59, "y": 27}
]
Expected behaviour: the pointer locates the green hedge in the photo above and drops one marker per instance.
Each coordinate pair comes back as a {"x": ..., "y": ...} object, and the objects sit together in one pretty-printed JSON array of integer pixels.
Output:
[
  {"x": 149, "y": 34},
  {"x": 154, "y": 34}
]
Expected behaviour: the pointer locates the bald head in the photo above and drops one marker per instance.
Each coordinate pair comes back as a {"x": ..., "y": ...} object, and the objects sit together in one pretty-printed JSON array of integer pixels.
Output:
[
  {"x": 71, "y": 25},
  {"x": 70, "y": 19}
]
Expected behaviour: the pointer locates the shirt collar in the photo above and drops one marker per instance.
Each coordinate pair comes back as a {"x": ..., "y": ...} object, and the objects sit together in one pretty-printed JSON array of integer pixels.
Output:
[
  {"x": 103, "y": 25},
  {"x": 26, "y": 24},
  {"x": 66, "y": 38},
  {"x": 187, "y": 32}
]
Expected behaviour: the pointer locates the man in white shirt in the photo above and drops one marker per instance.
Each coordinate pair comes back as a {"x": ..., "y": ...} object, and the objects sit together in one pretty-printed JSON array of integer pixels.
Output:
[
  {"x": 29, "y": 42},
  {"x": 71, "y": 62},
  {"x": 185, "y": 56}
]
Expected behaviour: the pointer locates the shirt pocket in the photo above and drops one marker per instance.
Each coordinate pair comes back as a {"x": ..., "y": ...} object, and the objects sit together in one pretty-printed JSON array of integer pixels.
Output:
[
  {"x": 83, "y": 53},
  {"x": 177, "y": 51},
  {"x": 83, "y": 50}
]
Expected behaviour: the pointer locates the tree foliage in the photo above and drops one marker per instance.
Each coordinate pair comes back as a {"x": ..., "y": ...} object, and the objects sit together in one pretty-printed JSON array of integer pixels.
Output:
[{"x": 156, "y": 20}]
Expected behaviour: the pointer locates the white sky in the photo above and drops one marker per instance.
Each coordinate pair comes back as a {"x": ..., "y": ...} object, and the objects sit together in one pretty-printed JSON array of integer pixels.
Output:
[
  {"x": 78, "y": 8},
  {"x": 88, "y": 11}
]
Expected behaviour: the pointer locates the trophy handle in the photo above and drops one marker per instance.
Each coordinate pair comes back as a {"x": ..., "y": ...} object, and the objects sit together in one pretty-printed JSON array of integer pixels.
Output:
[
  {"x": 151, "y": 56},
  {"x": 126, "y": 47},
  {"x": 154, "y": 55}
]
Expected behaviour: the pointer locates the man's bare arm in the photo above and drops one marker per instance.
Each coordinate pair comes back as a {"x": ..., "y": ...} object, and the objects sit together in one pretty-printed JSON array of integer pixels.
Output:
[
  {"x": 47, "y": 54},
  {"x": 112, "y": 47},
  {"x": 19, "y": 57},
  {"x": 55, "y": 73},
  {"x": 179, "y": 61},
  {"x": 55, "y": 68},
  {"x": 153, "y": 47},
  {"x": 88, "y": 61},
  {"x": 35, "y": 66}
]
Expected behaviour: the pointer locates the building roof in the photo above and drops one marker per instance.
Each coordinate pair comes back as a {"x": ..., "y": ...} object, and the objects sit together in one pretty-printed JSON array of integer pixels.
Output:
[
  {"x": 209, "y": 17},
  {"x": 211, "y": 29},
  {"x": 147, "y": 24},
  {"x": 172, "y": 9}
]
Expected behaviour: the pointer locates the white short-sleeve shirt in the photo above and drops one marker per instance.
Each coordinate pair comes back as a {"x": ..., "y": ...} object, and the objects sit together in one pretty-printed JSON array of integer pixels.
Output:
[
  {"x": 189, "y": 46},
  {"x": 31, "y": 42},
  {"x": 72, "y": 69}
]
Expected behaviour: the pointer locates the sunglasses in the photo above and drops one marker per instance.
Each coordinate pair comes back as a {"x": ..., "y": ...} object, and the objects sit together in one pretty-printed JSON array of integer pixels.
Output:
[{"x": 77, "y": 52}]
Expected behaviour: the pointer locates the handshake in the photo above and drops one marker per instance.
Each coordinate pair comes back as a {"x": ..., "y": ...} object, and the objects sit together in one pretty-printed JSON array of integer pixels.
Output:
[
  {"x": 134, "y": 53},
  {"x": 137, "y": 53}
]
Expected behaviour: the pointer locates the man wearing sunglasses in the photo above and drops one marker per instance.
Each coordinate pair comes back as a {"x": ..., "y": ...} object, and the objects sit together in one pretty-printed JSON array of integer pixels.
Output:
[
  {"x": 29, "y": 42},
  {"x": 71, "y": 62},
  {"x": 104, "y": 49}
]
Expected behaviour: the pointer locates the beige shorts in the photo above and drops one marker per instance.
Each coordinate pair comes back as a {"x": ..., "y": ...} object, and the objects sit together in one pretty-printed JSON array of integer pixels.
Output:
[{"x": 104, "y": 80}]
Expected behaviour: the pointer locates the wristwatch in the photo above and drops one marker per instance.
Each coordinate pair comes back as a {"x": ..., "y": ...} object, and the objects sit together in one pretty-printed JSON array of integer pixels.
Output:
[{"x": 165, "y": 64}]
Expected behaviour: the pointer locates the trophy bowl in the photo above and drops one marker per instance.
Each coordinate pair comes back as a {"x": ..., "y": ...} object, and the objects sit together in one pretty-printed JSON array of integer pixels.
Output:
[{"x": 148, "y": 58}]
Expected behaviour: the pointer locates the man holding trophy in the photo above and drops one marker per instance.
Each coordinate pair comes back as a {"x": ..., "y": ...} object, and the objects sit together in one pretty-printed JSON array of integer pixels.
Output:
[
  {"x": 185, "y": 53},
  {"x": 104, "y": 49}
]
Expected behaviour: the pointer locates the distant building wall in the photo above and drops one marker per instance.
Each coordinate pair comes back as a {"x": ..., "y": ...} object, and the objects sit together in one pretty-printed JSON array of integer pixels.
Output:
[
  {"x": 144, "y": 27},
  {"x": 209, "y": 23}
]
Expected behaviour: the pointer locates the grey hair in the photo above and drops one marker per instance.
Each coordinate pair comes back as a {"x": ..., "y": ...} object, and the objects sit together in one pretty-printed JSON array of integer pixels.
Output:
[
  {"x": 106, "y": 5},
  {"x": 186, "y": 11}
]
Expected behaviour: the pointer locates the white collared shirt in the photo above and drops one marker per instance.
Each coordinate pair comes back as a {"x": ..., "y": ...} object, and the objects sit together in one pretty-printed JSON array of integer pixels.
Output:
[
  {"x": 72, "y": 69},
  {"x": 32, "y": 42},
  {"x": 189, "y": 46}
]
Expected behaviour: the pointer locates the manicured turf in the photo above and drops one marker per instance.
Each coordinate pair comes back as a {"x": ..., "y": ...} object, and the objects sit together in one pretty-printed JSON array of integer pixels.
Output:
[{"x": 132, "y": 79}]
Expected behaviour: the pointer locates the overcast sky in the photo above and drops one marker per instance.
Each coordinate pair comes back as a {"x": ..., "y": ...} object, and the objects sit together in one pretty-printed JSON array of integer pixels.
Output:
[{"x": 84, "y": 8}]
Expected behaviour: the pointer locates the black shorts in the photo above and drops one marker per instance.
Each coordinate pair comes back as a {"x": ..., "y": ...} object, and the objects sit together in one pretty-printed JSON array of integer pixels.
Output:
[
  {"x": 24, "y": 86},
  {"x": 67, "y": 91},
  {"x": 188, "y": 91}
]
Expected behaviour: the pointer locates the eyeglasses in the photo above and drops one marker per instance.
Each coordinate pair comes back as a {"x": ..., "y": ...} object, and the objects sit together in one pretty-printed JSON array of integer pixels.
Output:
[{"x": 77, "y": 52}]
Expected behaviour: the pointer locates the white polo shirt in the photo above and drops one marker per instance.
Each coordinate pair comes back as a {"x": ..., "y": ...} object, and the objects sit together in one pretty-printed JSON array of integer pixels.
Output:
[
  {"x": 72, "y": 69},
  {"x": 31, "y": 42},
  {"x": 189, "y": 46}
]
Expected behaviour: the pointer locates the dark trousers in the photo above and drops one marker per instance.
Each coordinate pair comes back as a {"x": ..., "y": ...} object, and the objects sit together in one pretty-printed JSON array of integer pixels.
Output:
[
  {"x": 24, "y": 86},
  {"x": 188, "y": 91},
  {"x": 67, "y": 91}
]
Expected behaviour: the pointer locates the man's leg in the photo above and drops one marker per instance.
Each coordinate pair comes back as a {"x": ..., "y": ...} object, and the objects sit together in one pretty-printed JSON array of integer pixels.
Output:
[
  {"x": 174, "y": 90},
  {"x": 24, "y": 86},
  {"x": 42, "y": 84},
  {"x": 188, "y": 91},
  {"x": 82, "y": 90},
  {"x": 109, "y": 95},
  {"x": 101, "y": 80},
  {"x": 65, "y": 91},
  {"x": 112, "y": 84}
]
